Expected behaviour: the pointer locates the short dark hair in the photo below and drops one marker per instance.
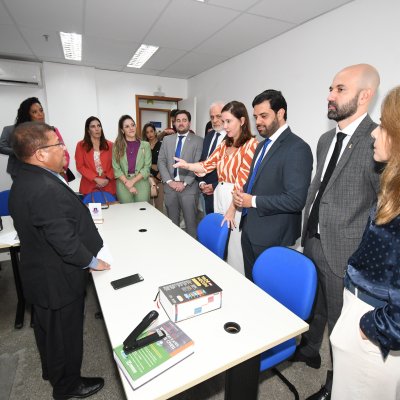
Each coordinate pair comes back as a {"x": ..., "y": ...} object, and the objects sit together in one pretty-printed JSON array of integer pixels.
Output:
[
  {"x": 275, "y": 98},
  {"x": 23, "y": 110},
  {"x": 238, "y": 110},
  {"x": 28, "y": 137},
  {"x": 173, "y": 112},
  {"x": 187, "y": 113}
]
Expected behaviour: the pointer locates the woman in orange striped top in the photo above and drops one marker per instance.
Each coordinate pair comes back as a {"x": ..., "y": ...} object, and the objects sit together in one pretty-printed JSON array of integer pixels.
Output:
[{"x": 232, "y": 159}]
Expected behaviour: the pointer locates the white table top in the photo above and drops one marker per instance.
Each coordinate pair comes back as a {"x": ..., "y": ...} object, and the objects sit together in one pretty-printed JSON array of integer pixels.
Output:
[
  {"x": 8, "y": 236},
  {"x": 166, "y": 254}
]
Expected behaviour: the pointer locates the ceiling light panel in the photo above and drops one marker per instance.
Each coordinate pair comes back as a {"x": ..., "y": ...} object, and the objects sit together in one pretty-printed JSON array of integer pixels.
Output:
[
  {"x": 72, "y": 45},
  {"x": 143, "y": 53}
]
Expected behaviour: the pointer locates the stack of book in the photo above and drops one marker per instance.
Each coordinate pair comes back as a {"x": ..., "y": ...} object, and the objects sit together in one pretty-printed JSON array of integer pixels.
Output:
[
  {"x": 147, "y": 362},
  {"x": 190, "y": 297}
]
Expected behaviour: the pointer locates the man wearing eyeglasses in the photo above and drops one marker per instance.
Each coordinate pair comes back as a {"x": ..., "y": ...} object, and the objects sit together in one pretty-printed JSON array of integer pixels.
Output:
[{"x": 59, "y": 244}]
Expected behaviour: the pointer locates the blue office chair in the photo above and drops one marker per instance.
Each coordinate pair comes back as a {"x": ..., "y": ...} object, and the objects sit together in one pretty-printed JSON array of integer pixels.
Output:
[
  {"x": 4, "y": 203},
  {"x": 98, "y": 197},
  {"x": 290, "y": 278},
  {"x": 212, "y": 235}
]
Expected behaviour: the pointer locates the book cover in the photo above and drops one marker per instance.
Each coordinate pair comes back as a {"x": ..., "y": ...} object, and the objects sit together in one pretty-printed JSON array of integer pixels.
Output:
[
  {"x": 190, "y": 297},
  {"x": 146, "y": 363}
]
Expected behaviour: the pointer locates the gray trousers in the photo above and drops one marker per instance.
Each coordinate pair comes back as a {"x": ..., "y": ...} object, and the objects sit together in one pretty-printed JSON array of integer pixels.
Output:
[
  {"x": 329, "y": 300},
  {"x": 187, "y": 202}
]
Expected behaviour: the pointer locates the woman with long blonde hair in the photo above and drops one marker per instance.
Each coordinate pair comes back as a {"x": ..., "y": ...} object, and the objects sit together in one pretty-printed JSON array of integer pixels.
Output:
[
  {"x": 366, "y": 338},
  {"x": 131, "y": 163}
]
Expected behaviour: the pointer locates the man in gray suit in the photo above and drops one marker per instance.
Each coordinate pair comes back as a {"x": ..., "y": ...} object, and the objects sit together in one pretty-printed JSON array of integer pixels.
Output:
[
  {"x": 180, "y": 186},
  {"x": 339, "y": 200},
  {"x": 276, "y": 190}
]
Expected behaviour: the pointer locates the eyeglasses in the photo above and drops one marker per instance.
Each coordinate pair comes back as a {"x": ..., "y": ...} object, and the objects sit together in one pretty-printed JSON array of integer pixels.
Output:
[{"x": 51, "y": 145}]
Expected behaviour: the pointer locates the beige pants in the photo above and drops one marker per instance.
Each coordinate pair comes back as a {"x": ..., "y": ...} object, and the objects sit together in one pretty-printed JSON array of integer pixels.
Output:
[
  {"x": 359, "y": 371},
  {"x": 222, "y": 201}
]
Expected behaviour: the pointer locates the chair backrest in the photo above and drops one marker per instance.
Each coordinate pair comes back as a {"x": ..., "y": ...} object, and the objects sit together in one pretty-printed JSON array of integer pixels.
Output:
[
  {"x": 289, "y": 277},
  {"x": 212, "y": 235},
  {"x": 4, "y": 203},
  {"x": 98, "y": 197}
]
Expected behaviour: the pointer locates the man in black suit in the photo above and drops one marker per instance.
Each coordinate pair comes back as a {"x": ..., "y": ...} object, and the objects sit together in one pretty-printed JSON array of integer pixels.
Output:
[
  {"x": 209, "y": 182},
  {"x": 276, "y": 190},
  {"x": 59, "y": 244}
]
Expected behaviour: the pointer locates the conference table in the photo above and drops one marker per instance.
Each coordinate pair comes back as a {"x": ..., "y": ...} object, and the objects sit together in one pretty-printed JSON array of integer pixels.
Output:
[{"x": 142, "y": 240}]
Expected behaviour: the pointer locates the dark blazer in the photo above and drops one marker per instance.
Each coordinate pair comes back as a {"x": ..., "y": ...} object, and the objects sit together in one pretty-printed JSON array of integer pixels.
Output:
[
  {"x": 57, "y": 235},
  {"x": 212, "y": 177},
  {"x": 13, "y": 164},
  {"x": 281, "y": 188},
  {"x": 351, "y": 192}
]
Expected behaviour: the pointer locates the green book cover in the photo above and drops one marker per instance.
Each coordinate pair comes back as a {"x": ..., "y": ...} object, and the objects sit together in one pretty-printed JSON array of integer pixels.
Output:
[{"x": 146, "y": 363}]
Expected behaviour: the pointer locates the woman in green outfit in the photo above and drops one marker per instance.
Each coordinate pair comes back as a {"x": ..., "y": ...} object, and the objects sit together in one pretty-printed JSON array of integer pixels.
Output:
[{"x": 131, "y": 162}]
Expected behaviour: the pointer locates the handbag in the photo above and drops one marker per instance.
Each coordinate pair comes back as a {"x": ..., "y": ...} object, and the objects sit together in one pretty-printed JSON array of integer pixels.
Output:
[
  {"x": 153, "y": 187},
  {"x": 106, "y": 199}
]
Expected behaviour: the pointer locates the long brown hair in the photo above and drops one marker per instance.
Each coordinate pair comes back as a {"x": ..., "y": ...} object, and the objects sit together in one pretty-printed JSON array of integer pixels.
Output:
[
  {"x": 238, "y": 110},
  {"x": 120, "y": 142},
  {"x": 87, "y": 141},
  {"x": 389, "y": 196}
]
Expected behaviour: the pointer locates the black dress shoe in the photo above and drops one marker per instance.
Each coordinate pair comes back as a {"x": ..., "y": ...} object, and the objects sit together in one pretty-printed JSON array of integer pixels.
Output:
[
  {"x": 86, "y": 388},
  {"x": 313, "y": 361},
  {"x": 322, "y": 394}
]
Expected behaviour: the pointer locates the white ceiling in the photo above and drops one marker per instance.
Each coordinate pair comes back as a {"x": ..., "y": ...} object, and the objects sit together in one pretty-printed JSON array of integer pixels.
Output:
[{"x": 192, "y": 36}]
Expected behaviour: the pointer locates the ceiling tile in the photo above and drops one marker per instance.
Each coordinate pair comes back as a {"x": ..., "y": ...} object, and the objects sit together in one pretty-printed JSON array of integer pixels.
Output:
[
  {"x": 163, "y": 58},
  {"x": 12, "y": 42},
  {"x": 291, "y": 10},
  {"x": 40, "y": 46},
  {"x": 231, "y": 41},
  {"x": 145, "y": 71},
  {"x": 56, "y": 15},
  {"x": 239, "y": 5},
  {"x": 123, "y": 20},
  {"x": 4, "y": 16},
  {"x": 185, "y": 24},
  {"x": 109, "y": 51},
  {"x": 193, "y": 63}
]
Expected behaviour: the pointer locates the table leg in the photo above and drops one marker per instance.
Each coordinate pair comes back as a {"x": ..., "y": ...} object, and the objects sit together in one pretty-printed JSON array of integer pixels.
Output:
[
  {"x": 19, "y": 317},
  {"x": 241, "y": 381}
]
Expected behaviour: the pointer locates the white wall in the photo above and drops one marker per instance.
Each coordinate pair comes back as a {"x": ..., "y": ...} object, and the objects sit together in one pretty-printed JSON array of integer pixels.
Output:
[
  {"x": 73, "y": 93},
  {"x": 302, "y": 63},
  {"x": 116, "y": 94}
]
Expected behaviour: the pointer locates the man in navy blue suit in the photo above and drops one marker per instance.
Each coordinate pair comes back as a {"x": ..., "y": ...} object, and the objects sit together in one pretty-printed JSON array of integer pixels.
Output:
[
  {"x": 208, "y": 183},
  {"x": 276, "y": 189}
]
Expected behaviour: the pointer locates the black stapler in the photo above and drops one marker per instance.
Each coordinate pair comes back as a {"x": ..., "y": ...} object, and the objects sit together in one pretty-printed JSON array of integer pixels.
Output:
[{"x": 132, "y": 343}]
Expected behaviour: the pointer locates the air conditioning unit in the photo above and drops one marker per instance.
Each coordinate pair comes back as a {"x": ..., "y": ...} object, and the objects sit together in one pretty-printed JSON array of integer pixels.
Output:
[{"x": 20, "y": 73}]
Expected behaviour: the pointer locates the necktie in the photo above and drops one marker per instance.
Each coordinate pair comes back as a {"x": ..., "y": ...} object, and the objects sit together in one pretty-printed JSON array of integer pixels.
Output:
[
  {"x": 255, "y": 169},
  {"x": 313, "y": 219},
  {"x": 214, "y": 143},
  {"x": 178, "y": 152}
]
